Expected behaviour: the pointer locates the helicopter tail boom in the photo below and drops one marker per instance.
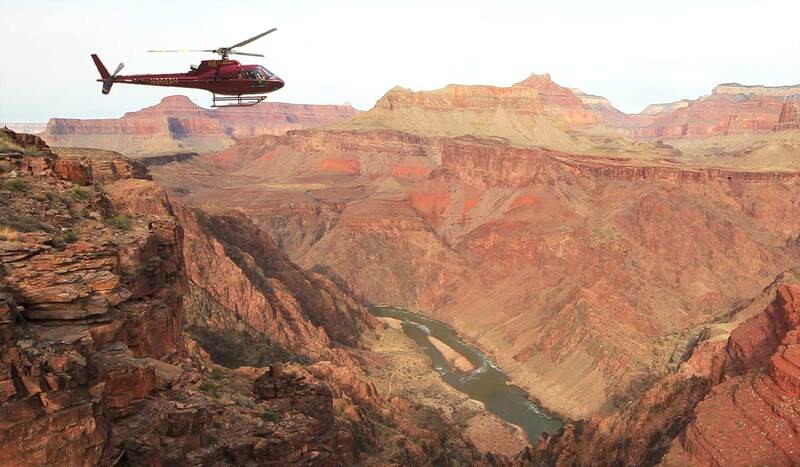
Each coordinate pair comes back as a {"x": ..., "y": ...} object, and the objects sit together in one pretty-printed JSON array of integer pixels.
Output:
[{"x": 105, "y": 77}]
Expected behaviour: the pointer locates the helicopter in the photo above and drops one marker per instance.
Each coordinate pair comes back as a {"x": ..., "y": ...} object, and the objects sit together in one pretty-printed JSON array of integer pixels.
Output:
[{"x": 230, "y": 83}]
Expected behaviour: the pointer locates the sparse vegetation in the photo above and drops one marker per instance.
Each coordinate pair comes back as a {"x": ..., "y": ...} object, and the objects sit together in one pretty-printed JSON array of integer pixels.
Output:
[
  {"x": 120, "y": 222},
  {"x": 210, "y": 388},
  {"x": 79, "y": 194},
  {"x": 22, "y": 223},
  {"x": 17, "y": 184},
  {"x": 216, "y": 374},
  {"x": 77, "y": 211},
  {"x": 7, "y": 234},
  {"x": 268, "y": 416},
  {"x": 68, "y": 237},
  {"x": 7, "y": 145},
  {"x": 232, "y": 349}
]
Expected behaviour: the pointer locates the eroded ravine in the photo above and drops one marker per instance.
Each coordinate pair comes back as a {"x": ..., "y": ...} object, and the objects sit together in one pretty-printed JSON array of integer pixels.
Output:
[{"x": 486, "y": 383}]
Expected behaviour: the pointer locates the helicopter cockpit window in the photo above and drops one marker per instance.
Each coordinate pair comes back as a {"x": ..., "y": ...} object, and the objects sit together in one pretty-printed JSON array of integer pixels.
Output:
[
  {"x": 268, "y": 74},
  {"x": 255, "y": 74}
]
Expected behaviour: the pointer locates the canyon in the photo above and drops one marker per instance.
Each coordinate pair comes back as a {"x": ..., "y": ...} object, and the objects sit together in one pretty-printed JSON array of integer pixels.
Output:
[
  {"x": 177, "y": 125},
  {"x": 636, "y": 274},
  {"x": 139, "y": 331},
  {"x": 586, "y": 276}
]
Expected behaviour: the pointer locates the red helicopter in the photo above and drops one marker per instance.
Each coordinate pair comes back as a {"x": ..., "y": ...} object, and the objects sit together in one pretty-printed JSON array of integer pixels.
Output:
[{"x": 231, "y": 83}]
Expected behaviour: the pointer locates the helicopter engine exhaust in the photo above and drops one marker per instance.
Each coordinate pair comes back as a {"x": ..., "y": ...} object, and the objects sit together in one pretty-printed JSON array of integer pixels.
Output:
[{"x": 105, "y": 77}]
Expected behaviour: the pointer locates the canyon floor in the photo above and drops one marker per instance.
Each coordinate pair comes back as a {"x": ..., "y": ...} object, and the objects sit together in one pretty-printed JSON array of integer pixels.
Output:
[{"x": 399, "y": 367}]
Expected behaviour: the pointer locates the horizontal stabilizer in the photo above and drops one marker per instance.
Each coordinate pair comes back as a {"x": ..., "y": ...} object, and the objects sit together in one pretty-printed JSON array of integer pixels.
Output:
[{"x": 106, "y": 78}]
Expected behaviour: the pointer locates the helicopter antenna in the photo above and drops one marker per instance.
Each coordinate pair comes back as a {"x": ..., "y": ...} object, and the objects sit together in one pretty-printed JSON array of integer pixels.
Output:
[{"x": 225, "y": 51}]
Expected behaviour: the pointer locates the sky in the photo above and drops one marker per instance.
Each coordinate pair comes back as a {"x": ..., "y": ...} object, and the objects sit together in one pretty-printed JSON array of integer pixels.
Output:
[{"x": 330, "y": 52}]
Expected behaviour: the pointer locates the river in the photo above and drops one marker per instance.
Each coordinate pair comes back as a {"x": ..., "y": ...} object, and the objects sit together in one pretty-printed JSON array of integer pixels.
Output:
[{"x": 487, "y": 383}]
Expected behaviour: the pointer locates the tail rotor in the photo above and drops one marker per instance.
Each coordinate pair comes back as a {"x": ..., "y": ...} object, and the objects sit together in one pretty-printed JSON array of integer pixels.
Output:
[{"x": 105, "y": 77}]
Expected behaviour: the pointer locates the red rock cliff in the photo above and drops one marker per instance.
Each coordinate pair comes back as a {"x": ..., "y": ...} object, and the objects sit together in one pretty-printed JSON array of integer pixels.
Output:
[
  {"x": 95, "y": 368},
  {"x": 699, "y": 415},
  {"x": 176, "y": 124}
]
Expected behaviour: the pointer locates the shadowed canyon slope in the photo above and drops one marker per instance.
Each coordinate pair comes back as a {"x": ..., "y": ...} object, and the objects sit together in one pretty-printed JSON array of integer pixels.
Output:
[
  {"x": 136, "y": 331},
  {"x": 733, "y": 402},
  {"x": 585, "y": 262},
  {"x": 177, "y": 125}
]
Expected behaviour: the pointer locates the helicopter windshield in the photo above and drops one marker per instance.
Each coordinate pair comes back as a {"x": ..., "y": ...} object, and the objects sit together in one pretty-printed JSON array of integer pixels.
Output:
[
  {"x": 266, "y": 72},
  {"x": 260, "y": 74}
]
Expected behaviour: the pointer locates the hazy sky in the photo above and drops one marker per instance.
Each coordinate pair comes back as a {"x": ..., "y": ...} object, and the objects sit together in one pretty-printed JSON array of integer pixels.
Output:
[{"x": 633, "y": 52}]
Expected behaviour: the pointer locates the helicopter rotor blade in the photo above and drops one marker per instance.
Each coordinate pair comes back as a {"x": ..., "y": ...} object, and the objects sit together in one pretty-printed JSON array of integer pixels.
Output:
[
  {"x": 246, "y": 53},
  {"x": 119, "y": 68},
  {"x": 247, "y": 41},
  {"x": 180, "y": 50}
]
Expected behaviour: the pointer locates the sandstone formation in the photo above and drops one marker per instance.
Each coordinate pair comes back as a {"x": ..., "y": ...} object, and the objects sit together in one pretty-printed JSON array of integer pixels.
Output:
[
  {"x": 584, "y": 274},
  {"x": 98, "y": 279},
  {"x": 534, "y": 112},
  {"x": 790, "y": 117},
  {"x": 264, "y": 295},
  {"x": 621, "y": 268},
  {"x": 731, "y": 109},
  {"x": 740, "y": 91},
  {"x": 733, "y": 402},
  {"x": 177, "y": 125}
]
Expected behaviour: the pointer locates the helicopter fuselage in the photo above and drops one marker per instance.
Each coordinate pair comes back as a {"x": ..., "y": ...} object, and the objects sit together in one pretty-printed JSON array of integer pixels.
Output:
[{"x": 224, "y": 77}]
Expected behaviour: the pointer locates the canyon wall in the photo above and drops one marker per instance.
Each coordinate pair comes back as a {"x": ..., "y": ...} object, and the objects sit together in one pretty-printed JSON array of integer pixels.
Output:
[
  {"x": 536, "y": 111},
  {"x": 178, "y": 125},
  {"x": 732, "y": 402},
  {"x": 590, "y": 266},
  {"x": 731, "y": 109},
  {"x": 112, "y": 297},
  {"x": 789, "y": 118},
  {"x": 582, "y": 275}
]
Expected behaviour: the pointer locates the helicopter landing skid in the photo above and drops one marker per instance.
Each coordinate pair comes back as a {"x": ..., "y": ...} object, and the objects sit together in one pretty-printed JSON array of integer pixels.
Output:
[{"x": 236, "y": 101}]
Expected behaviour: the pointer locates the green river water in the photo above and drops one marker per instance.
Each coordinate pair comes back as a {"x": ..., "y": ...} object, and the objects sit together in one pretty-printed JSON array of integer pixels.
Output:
[{"x": 487, "y": 383}]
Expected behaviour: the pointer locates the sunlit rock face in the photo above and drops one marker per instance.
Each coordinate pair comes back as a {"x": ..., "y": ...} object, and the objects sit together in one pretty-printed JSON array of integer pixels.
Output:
[
  {"x": 732, "y": 402},
  {"x": 730, "y": 109},
  {"x": 176, "y": 125},
  {"x": 584, "y": 261},
  {"x": 790, "y": 117},
  {"x": 135, "y": 330}
]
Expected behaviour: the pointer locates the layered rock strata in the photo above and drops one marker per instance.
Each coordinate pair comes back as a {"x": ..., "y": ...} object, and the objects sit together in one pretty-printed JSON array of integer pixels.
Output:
[
  {"x": 95, "y": 367},
  {"x": 177, "y": 125}
]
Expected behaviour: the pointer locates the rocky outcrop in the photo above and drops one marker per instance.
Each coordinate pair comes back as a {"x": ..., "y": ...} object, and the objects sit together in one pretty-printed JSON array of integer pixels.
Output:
[
  {"x": 715, "y": 115},
  {"x": 534, "y": 112},
  {"x": 749, "y": 417},
  {"x": 789, "y": 118},
  {"x": 87, "y": 293},
  {"x": 487, "y": 236},
  {"x": 263, "y": 292},
  {"x": 731, "y": 403},
  {"x": 276, "y": 118},
  {"x": 658, "y": 109},
  {"x": 731, "y": 109},
  {"x": 740, "y": 91},
  {"x": 177, "y": 125},
  {"x": 560, "y": 102},
  {"x": 98, "y": 279}
]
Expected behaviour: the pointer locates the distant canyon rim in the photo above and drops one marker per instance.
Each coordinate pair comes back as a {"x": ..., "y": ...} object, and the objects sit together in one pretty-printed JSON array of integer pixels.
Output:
[{"x": 627, "y": 270}]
